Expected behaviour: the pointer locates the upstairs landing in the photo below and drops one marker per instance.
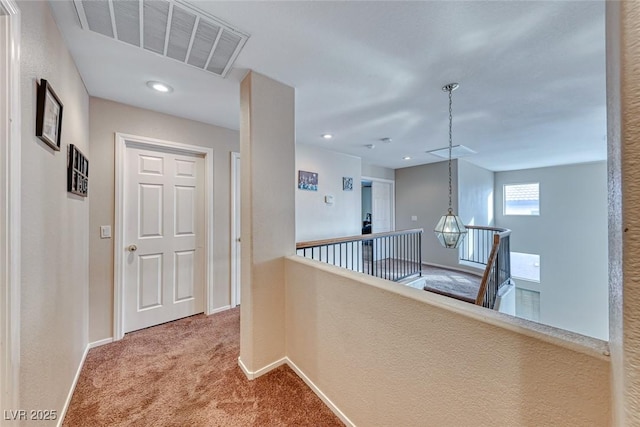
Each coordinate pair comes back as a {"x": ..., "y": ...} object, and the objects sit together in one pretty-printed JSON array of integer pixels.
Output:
[{"x": 452, "y": 283}]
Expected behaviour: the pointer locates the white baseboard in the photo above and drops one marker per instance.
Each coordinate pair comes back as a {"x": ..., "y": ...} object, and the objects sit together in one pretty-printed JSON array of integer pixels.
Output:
[
  {"x": 220, "y": 309},
  {"x": 100, "y": 342},
  {"x": 246, "y": 371},
  {"x": 63, "y": 412},
  {"x": 285, "y": 360},
  {"x": 252, "y": 375},
  {"x": 320, "y": 394}
]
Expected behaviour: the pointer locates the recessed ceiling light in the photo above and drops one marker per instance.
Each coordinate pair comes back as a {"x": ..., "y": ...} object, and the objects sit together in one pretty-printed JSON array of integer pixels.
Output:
[
  {"x": 370, "y": 146},
  {"x": 386, "y": 140},
  {"x": 406, "y": 158},
  {"x": 160, "y": 87},
  {"x": 327, "y": 135}
]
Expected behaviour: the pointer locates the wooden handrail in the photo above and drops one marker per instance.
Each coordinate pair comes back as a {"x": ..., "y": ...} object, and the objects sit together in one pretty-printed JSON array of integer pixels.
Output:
[
  {"x": 486, "y": 276},
  {"x": 502, "y": 231},
  {"x": 491, "y": 265},
  {"x": 359, "y": 237}
]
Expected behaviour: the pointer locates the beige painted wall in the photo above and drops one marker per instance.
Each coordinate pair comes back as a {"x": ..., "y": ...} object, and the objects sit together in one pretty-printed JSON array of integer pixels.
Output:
[
  {"x": 375, "y": 171},
  {"x": 414, "y": 186},
  {"x": 387, "y": 355},
  {"x": 475, "y": 194},
  {"x": 267, "y": 137},
  {"x": 108, "y": 117},
  {"x": 55, "y": 245},
  {"x": 573, "y": 263},
  {"x": 315, "y": 219}
]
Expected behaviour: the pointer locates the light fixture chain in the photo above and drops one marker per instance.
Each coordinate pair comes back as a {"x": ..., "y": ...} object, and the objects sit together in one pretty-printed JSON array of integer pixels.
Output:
[{"x": 450, "y": 142}]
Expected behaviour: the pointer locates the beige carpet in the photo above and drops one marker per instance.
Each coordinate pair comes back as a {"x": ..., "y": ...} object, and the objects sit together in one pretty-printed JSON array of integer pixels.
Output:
[
  {"x": 452, "y": 283},
  {"x": 185, "y": 373}
]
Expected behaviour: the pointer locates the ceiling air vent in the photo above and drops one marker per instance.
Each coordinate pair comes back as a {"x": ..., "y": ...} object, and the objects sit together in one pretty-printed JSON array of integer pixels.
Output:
[
  {"x": 457, "y": 151},
  {"x": 171, "y": 28}
]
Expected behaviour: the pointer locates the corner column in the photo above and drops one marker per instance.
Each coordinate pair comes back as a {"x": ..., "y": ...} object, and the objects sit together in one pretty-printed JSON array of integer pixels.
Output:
[
  {"x": 267, "y": 150},
  {"x": 623, "y": 117}
]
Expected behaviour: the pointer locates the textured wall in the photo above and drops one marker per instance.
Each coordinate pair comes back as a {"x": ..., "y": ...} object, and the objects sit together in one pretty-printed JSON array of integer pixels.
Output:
[
  {"x": 374, "y": 171},
  {"x": 623, "y": 117},
  {"x": 314, "y": 218},
  {"x": 423, "y": 191},
  {"x": 389, "y": 355},
  {"x": 475, "y": 194},
  {"x": 570, "y": 235},
  {"x": 107, "y": 118},
  {"x": 55, "y": 245},
  {"x": 267, "y": 139}
]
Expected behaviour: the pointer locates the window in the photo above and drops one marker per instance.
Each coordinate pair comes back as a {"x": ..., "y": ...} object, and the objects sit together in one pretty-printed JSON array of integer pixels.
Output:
[
  {"x": 522, "y": 199},
  {"x": 525, "y": 266},
  {"x": 528, "y": 304}
]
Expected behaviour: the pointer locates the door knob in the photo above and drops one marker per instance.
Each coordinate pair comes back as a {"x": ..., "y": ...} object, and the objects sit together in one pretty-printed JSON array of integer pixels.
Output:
[{"x": 132, "y": 248}]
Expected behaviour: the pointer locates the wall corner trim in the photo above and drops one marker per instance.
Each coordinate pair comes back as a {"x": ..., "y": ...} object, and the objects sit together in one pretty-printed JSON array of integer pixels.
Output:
[
  {"x": 285, "y": 360},
  {"x": 320, "y": 394},
  {"x": 219, "y": 309},
  {"x": 10, "y": 204},
  {"x": 100, "y": 342},
  {"x": 252, "y": 375},
  {"x": 67, "y": 402}
]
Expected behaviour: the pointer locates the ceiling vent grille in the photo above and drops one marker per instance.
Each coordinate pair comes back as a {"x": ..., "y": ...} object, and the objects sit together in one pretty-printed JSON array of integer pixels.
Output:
[
  {"x": 171, "y": 28},
  {"x": 457, "y": 151}
]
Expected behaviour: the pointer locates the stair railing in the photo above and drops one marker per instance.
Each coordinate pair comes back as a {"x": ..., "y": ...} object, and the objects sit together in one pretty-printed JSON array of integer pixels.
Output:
[
  {"x": 489, "y": 246},
  {"x": 393, "y": 255}
]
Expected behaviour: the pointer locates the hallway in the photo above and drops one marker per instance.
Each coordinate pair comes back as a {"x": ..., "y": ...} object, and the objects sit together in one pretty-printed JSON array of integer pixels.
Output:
[{"x": 185, "y": 373}]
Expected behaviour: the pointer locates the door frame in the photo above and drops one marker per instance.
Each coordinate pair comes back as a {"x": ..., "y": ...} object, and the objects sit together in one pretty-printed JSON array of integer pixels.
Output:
[
  {"x": 235, "y": 186},
  {"x": 10, "y": 207},
  {"x": 393, "y": 196},
  {"x": 122, "y": 142}
]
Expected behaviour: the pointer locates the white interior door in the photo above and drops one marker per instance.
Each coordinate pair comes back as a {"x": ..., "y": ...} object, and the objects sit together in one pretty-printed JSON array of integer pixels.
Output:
[
  {"x": 381, "y": 206},
  {"x": 235, "y": 230},
  {"x": 164, "y": 236},
  {"x": 382, "y": 219}
]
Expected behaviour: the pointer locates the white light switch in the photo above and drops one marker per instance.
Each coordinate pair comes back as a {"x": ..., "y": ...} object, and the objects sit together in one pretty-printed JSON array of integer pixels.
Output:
[
  {"x": 105, "y": 231},
  {"x": 414, "y": 218},
  {"x": 328, "y": 200}
]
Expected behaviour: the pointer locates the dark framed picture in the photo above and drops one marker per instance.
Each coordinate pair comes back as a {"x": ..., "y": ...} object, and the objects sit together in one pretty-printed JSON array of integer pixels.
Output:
[
  {"x": 77, "y": 172},
  {"x": 308, "y": 180},
  {"x": 48, "y": 115},
  {"x": 347, "y": 183}
]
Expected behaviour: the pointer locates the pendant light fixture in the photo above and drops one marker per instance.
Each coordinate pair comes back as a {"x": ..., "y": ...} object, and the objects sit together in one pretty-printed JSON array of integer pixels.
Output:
[{"x": 450, "y": 230}]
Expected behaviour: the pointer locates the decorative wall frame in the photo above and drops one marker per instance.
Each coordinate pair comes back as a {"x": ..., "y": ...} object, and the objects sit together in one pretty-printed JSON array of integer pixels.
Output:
[
  {"x": 48, "y": 115},
  {"x": 78, "y": 172},
  {"x": 347, "y": 183},
  {"x": 308, "y": 180}
]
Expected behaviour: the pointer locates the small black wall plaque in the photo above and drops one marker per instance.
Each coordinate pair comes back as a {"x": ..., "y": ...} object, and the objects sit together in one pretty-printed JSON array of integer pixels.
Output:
[{"x": 78, "y": 174}]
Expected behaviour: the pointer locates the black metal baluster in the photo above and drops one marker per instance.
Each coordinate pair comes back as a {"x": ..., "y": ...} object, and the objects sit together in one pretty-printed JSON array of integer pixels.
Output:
[
  {"x": 420, "y": 253},
  {"x": 387, "y": 261}
]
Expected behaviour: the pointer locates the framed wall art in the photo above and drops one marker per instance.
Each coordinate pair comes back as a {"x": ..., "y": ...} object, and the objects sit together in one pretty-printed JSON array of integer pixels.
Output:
[
  {"x": 48, "y": 115},
  {"x": 78, "y": 172},
  {"x": 308, "y": 180},
  {"x": 347, "y": 183}
]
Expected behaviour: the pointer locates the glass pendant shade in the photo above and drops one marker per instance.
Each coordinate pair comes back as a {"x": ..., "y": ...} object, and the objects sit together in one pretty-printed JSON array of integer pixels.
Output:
[{"x": 450, "y": 231}]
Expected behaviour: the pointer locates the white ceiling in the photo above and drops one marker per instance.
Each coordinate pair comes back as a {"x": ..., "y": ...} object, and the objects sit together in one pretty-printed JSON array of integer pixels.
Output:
[{"x": 532, "y": 76}]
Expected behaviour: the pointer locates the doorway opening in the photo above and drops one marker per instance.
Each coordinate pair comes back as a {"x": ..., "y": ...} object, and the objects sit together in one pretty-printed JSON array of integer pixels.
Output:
[
  {"x": 366, "y": 206},
  {"x": 164, "y": 229}
]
